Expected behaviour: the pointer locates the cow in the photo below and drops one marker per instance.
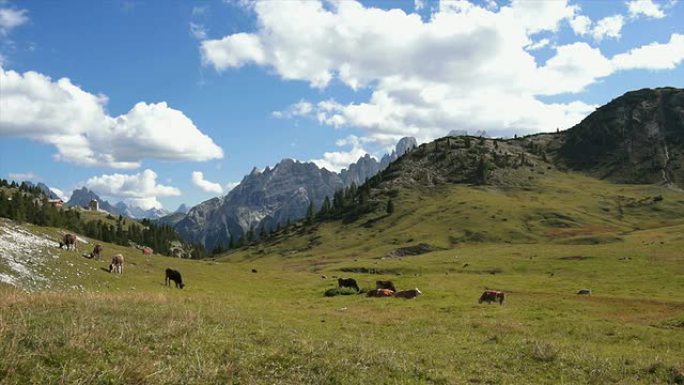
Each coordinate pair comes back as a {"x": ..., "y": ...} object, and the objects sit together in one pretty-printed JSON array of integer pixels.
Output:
[
  {"x": 380, "y": 293},
  {"x": 117, "y": 264},
  {"x": 175, "y": 276},
  {"x": 584, "y": 292},
  {"x": 490, "y": 296},
  {"x": 96, "y": 251},
  {"x": 348, "y": 282},
  {"x": 385, "y": 285},
  {"x": 69, "y": 240},
  {"x": 408, "y": 294},
  {"x": 147, "y": 250}
]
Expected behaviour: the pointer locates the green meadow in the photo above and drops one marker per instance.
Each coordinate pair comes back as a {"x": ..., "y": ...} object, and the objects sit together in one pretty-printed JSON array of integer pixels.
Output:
[{"x": 539, "y": 243}]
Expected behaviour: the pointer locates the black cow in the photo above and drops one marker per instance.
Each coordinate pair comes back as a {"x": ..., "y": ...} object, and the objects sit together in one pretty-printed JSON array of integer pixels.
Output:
[
  {"x": 348, "y": 282},
  {"x": 490, "y": 296},
  {"x": 385, "y": 285},
  {"x": 175, "y": 276}
]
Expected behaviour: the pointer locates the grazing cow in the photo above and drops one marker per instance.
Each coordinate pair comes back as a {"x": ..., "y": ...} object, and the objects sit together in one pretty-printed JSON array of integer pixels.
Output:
[
  {"x": 584, "y": 292},
  {"x": 175, "y": 276},
  {"x": 348, "y": 282},
  {"x": 97, "y": 250},
  {"x": 69, "y": 240},
  {"x": 385, "y": 285},
  {"x": 117, "y": 264},
  {"x": 408, "y": 294},
  {"x": 147, "y": 250},
  {"x": 380, "y": 293},
  {"x": 492, "y": 296}
]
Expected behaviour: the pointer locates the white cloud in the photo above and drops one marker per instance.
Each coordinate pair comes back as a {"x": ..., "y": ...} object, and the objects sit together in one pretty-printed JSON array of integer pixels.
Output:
[
  {"x": 230, "y": 185},
  {"x": 11, "y": 18},
  {"x": 205, "y": 185},
  {"x": 75, "y": 121},
  {"x": 418, "y": 4},
  {"x": 301, "y": 108},
  {"x": 610, "y": 26},
  {"x": 466, "y": 66},
  {"x": 139, "y": 189},
  {"x": 538, "y": 45},
  {"x": 336, "y": 161},
  {"x": 60, "y": 193},
  {"x": 198, "y": 31},
  {"x": 645, "y": 7},
  {"x": 23, "y": 176},
  {"x": 233, "y": 51},
  {"x": 654, "y": 56},
  {"x": 581, "y": 25}
]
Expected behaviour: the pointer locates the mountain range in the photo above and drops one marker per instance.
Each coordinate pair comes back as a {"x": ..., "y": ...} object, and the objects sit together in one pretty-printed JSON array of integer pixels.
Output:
[
  {"x": 272, "y": 197},
  {"x": 82, "y": 197}
]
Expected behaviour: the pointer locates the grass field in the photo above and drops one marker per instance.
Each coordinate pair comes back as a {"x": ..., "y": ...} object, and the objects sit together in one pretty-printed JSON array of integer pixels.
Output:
[{"x": 233, "y": 326}]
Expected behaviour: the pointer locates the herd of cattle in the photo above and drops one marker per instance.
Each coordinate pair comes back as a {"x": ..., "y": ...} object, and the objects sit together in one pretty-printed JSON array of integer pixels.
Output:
[
  {"x": 382, "y": 288},
  {"x": 117, "y": 262}
]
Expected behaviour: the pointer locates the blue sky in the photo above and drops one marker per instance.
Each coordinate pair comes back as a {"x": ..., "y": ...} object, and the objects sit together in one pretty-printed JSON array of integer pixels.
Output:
[{"x": 161, "y": 91}]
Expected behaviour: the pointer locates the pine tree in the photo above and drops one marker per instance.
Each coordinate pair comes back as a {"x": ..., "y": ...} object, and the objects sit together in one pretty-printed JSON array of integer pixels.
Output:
[
  {"x": 325, "y": 208},
  {"x": 310, "y": 213},
  {"x": 250, "y": 235},
  {"x": 390, "y": 206}
]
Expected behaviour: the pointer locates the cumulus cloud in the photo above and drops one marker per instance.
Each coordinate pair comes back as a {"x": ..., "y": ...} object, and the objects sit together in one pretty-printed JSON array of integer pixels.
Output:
[
  {"x": 205, "y": 185},
  {"x": 75, "y": 121},
  {"x": 654, "y": 56},
  {"x": 230, "y": 185},
  {"x": 580, "y": 24},
  {"x": 610, "y": 26},
  {"x": 337, "y": 160},
  {"x": 60, "y": 193},
  {"x": 139, "y": 189},
  {"x": 301, "y": 108},
  {"x": 646, "y": 8},
  {"x": 11, "y": 18},
  {"x": 466, "y": 66}
]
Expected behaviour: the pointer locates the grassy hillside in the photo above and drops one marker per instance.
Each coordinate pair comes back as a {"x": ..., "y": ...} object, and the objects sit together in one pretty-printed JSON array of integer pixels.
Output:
[{"x": 539, "y": 242}]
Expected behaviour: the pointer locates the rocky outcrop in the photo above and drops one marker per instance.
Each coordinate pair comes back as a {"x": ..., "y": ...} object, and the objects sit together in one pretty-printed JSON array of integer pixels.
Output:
[
  {"x": 82, "y": 197},
  {"x": 262, "y": 199},
  {"x": 636, "y": 138},
  {"x": 183, "y": 208}
]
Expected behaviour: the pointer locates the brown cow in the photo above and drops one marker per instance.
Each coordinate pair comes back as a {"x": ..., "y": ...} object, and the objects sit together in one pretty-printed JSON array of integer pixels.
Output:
[
  {"x": 97, "y": 250},
  {"x": 385, "y": 285},
  {"x": 380, "y": 293},
  {"x": 408, "y": 294},
  {"x": 490, "y": 296},
  {"x": 147, "y": 250},
  {"x": 69, "y": 240},
  {"x": 117, "y": 264}
]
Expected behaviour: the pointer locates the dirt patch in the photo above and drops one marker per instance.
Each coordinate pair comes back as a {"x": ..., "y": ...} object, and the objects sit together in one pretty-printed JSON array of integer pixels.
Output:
[
  {"x": 418, "y": 249},
  {"x": 575, "y": 258},
  {"x": 370, "y": 270}
]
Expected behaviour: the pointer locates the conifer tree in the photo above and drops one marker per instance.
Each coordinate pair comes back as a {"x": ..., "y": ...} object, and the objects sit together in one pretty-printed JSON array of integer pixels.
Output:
[{"x": 390, "y": 207}]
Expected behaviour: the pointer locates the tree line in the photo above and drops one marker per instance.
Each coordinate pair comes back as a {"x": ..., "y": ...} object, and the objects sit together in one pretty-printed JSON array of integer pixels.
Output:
[{"x": 29, "y": 204}]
